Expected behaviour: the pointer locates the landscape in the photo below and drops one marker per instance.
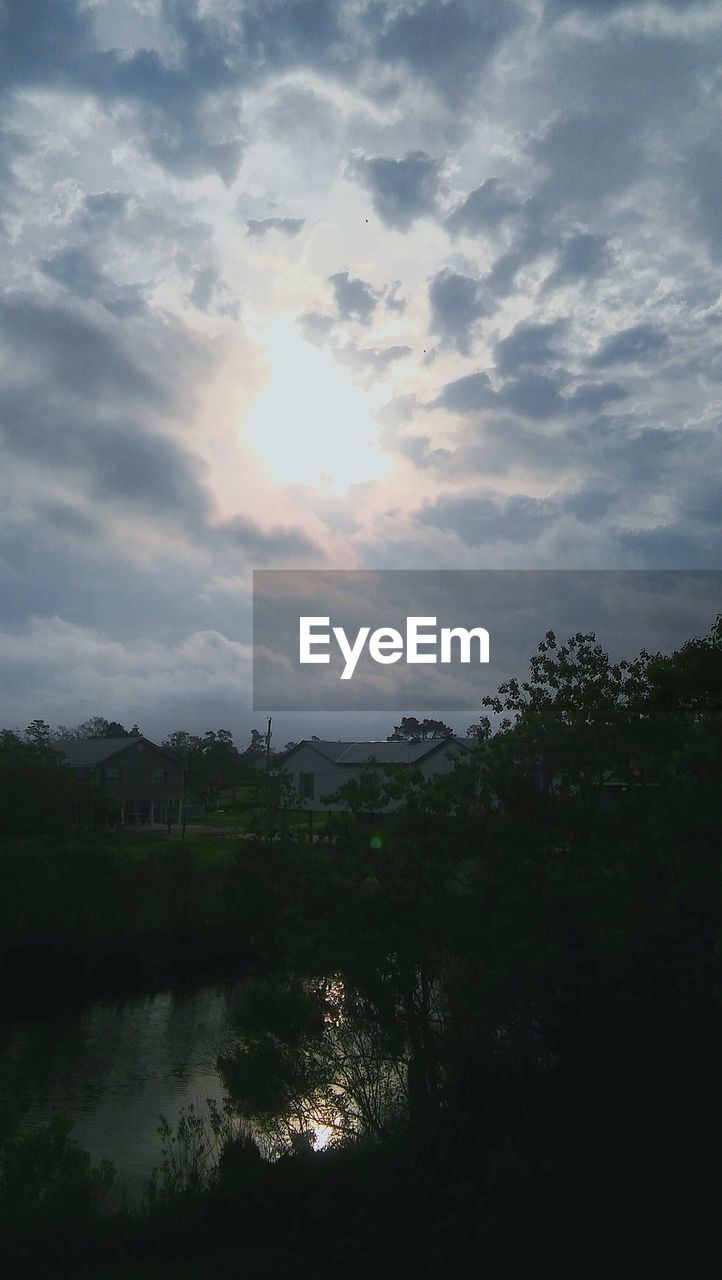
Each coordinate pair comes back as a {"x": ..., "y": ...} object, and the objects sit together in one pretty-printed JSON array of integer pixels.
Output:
[
  {"x": 360, "y": 638},
  {"x": 471, "y": 1015}
]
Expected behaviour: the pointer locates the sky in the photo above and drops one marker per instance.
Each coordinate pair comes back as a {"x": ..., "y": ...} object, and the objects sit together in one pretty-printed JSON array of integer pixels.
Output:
[{"x": 360, "y": 285}]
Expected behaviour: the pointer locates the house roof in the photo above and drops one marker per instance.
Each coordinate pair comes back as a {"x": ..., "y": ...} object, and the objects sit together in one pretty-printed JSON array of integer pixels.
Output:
[
  {"x": 394, "y": 752},
  {"x": 85, "y": 753},
  {"x": 330, "y": 750},
  {"x": 383, "y": 751}
]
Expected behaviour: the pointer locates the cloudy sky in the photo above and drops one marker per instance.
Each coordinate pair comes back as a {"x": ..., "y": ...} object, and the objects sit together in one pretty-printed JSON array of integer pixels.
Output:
[{"x": 359, "y": 284}]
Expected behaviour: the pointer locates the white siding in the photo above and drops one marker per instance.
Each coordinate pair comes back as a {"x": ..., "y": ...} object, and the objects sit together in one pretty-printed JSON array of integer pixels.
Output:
[{"x": 328, "y": 777}]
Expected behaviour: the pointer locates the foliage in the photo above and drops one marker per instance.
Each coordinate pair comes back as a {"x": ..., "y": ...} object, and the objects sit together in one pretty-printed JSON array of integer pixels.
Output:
[
  {"x": 413, "y": 730},
  {"x": 192, "y": 1153},
  {"x": 45, "y": 1177}
]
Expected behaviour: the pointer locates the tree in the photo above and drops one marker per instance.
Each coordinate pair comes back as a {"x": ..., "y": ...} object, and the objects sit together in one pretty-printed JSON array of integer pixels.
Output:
[
  {"x": 95, "y": 727},
  {"x": 413, "y": 730},
  {"x": 38, "y": 732},
  {"x": 182, "y": 744}
]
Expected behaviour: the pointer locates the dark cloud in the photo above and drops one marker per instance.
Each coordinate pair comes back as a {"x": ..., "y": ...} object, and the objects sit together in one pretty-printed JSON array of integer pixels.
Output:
[
  {"x": 391, "y": 301},
  {"x": 75, "y": 270},
  {"x": 401, "y": 190},
  {"x": 355, "y": 299},
  {"x": 591, "y": 503},
  {"x": 186, "y": 127},
  {"x": 446, "y": 43},
  {"x": 533, "y": 236},
  {"x": 79, "y": 397},
  {"x": 205, "y": 281},
  {"x": 287, "y": 226},
  {"x": 105, "y": 206},
  {"x": 76, "y": 354},
  {"x": 583, "y": 257},
  {"x": 602, "y": 7},
  {"x": 702, "y": 169},
  {"x": 316, "y": 327},
  {"x": 639, "y": 344},
  {"x": 533, "y": 395},
  {"x": 485, "y": 209},
  {"x": 47, "y": 40},
  {"x": 65, "y": 519},
  {"x": 311, "y": 33},
  {"x": 672, "y": 546},
  {"x": 529, "y": 345},
  {"x": 266, "y": 545},
  {"x": 457, "y": 301},
  {"x": 593, "y": 396},
  {"x": 466, "y": 395},
  {"x": 483, "y": 519},
  {"x": 588, "y": 155}
]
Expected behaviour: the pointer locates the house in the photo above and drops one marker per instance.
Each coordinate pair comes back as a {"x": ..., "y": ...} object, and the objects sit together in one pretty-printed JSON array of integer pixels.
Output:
[
  {"x": 143, "y": 782},
  {"x": 318, "y": 768}
]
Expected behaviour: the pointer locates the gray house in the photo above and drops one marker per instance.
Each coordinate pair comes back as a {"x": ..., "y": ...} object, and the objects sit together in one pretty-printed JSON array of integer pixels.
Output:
[
  {"x": 318, "y": 769},
  {"x": 142, "y": 781}
]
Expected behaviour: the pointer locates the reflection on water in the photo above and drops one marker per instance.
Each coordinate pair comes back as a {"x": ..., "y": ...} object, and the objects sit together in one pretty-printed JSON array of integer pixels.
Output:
[{"x": 114, "y": 1067}]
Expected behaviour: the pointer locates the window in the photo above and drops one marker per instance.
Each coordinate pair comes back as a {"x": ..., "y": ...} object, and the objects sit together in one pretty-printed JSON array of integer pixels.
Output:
[
  {"x": 305, "y": 786},
  {"x": 160, "y": 775},
  {"x": 111, "y": 775}
]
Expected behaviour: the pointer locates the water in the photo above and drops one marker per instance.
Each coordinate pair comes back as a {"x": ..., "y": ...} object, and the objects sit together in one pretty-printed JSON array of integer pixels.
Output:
[{"x": 114, "y": 1066}]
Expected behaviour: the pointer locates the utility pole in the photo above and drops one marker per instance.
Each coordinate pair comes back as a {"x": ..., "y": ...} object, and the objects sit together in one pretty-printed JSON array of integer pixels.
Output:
[{"x": 269, "y": 801}]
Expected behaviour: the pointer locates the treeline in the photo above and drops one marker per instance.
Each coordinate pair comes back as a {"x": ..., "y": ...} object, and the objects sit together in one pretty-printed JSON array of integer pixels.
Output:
[{"x": 37, "y": 795}]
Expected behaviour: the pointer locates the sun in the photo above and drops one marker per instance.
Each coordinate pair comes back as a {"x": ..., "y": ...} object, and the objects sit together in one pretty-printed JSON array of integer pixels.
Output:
[{"x": 312, "y": 424}]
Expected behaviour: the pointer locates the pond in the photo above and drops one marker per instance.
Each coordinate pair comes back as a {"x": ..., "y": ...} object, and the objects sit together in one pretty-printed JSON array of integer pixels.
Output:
[{"x": 114, "y": 1066}]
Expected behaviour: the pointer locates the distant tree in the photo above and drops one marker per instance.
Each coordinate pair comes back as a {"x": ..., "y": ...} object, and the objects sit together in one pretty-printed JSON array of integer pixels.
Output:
[
  {"x": 38, "y": 795},
  {"x": 214, "y": 764},
  {"x": 413, "y": 730},
  {"x": 95, "y": 727},
  {"x": 39, "y": 733},
  {"x": 181, "y": 743},
  {"x": 256, "y": 748}
]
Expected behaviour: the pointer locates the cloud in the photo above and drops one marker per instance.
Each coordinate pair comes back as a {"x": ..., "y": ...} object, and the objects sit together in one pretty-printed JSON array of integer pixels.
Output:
[
  {"x": 401, "y": 190},
  {"x": 529, "y": 345},
  {"x": 483, "y": 519},
  {"x": 188, "y": 121},
  {"x": 457, "y": 301},
  {"x": 465, "y": 395},
  {"x": 446, "y": 44},
  {"x": 355, "y": 299},
  {"x": 374, "y": 359},
  {"x": 702, "y": 169},
  {"x": 485, "y": 209},
  {"x": 639, "y": 344},
  {"x": 287, "y": 226},
  {"x": 316, "y": 327},
  {"x": 74, "y": 269},
  {"x": 391, "y": 301},
  {"x": 583, "y": 257},
  {"x": 150, "y": 153},
  {"x": 268, "y": 544}
]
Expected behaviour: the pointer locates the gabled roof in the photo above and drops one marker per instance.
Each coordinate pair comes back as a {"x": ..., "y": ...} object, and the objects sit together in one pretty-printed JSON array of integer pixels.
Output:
[
  {"x": 86, "y": 753},
  {"x": 328, "y": 749},
  {"x": 395, "y": 752},
  {"x": 383, "y": 751}
]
